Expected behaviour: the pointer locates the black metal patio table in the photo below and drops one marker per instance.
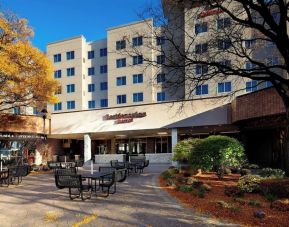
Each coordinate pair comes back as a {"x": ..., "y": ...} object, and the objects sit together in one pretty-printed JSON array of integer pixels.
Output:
[{"x": 94, "y": 177}]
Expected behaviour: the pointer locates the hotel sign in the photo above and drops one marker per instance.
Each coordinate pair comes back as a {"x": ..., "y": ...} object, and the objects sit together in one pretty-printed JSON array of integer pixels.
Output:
[
  {"x": 210, "y": 12},
  {"x": 124, "y": 118}
]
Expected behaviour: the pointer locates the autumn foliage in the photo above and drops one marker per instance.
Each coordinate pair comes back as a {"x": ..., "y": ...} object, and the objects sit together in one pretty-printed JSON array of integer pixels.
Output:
[{"x": 25, "y": 72}]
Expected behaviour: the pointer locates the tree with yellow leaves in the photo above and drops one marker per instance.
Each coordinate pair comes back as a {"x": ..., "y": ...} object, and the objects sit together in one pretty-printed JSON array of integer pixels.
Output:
[{"x": 25, "y": 72}]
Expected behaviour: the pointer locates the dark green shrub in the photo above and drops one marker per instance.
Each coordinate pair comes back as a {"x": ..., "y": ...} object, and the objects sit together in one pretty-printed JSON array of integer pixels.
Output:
[
  {"x": 183, "y": 149},
  {"x": 249, "y": 183},
  {"x": 185, "y": 188},
  {"x": 217, "y": 151},
  {"x": 166, "y": 175},
  {"x": 276, "y": 187},
  {"x": 233, "y": 191},
  {"x": 244, "y": 172},
  {"x": 202, "y": 192},
  {"x": 270, "y": 197},
  {"x": 255, "y": 203},
  {"x": 272, "y": 173}
]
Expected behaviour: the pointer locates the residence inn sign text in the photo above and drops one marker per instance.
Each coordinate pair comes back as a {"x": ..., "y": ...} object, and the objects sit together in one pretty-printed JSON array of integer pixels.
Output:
[{"x": 124, "y": 118}]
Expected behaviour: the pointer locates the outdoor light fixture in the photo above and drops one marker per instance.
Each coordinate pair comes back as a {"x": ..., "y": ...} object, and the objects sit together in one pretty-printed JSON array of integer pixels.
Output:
[{"x": 162, "y": 133}]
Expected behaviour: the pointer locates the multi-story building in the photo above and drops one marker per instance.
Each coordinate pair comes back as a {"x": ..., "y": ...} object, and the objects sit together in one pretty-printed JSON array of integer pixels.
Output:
[
  {"x": 112, "y": 72},
  {"x": 116, "y": 96}
]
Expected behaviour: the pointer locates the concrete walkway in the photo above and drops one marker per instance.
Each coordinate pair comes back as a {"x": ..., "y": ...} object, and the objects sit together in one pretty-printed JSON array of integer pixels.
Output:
[{"x": 138, "y": 202}]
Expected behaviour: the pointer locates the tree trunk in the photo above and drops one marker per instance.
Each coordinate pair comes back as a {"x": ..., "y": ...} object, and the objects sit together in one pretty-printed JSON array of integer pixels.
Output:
[{"x": 285, "y": 143}]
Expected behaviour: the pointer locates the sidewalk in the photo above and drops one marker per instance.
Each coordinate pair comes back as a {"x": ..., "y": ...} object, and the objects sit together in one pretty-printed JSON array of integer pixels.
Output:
[{"x": 138, "y": 202}]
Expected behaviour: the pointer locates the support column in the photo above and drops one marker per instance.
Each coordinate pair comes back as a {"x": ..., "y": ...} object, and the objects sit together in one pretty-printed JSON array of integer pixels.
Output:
[
  {"x": 87, "y": 149},
  {"x": 174, "y": 135}
]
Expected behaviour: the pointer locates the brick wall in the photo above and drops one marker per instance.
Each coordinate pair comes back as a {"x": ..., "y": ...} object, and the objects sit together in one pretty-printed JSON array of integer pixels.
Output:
[{"x": 257, "y": 104}]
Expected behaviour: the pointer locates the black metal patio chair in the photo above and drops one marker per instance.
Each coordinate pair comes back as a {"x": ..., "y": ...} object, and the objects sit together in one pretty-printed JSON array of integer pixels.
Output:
[
  {"x": 105, "y": 184},
  {"x": 75, "y": 186},
  {"x": 5, "y": 178},
  {"x": 18, "y": 172}
]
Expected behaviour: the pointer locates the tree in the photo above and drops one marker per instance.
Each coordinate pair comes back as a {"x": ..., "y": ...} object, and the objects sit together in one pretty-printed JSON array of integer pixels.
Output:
[
  {"x": 25, "y": 72},
  {"x": 246, "y": 40}
]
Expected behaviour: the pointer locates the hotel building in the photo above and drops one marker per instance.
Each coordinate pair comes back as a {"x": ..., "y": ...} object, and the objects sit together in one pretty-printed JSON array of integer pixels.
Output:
[{"x": 113, "y": 104}]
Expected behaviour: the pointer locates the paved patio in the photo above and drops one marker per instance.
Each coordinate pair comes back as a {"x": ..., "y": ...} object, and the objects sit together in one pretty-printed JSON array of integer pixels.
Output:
[{"x": 138, "y": 202}]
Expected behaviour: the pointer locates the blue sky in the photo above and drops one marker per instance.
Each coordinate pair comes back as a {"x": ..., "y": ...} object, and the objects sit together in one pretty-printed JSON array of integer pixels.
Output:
[{"x": 54, "y": 20}]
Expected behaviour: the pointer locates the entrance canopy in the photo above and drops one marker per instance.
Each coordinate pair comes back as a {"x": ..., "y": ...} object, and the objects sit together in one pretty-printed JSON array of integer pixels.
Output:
[{"x": 143, "y": 118}]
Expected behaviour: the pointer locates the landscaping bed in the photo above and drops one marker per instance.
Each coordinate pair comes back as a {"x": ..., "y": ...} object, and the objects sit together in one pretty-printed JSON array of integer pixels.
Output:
[{"x": 248, "y": 209}]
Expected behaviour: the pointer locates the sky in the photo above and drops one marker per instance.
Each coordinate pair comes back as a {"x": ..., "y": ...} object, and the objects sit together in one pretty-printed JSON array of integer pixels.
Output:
[{"x": 54, "y": 20}]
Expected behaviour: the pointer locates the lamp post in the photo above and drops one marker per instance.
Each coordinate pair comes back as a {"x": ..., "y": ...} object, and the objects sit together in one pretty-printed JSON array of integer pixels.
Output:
[{"x": 44, "y": 116}]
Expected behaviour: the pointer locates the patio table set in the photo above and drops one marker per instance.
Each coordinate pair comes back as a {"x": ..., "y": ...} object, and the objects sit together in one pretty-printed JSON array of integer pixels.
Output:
[{"x": 102, "y": 183}]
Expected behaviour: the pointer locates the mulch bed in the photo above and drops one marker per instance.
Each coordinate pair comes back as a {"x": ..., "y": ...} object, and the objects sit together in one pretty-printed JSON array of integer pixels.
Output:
[{"x": 243, "y": 214}]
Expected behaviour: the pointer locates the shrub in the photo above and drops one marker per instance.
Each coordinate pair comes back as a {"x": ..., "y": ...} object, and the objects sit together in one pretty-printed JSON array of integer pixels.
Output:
[
  {"x": 232, "y": 207},
  {"x": 249, "y": 183},
  {"x": 183, "y": 149},
  {"x": 173, "y": 171},
  {"x": 255, "y": 203},
  {"x": 202, "y": 192},
  {"x": 217, "y": 151},
  {"x": 185, "y": 188},
  {"x": 270, "y": 197},
  {"x": 276, "y": 187},
  {"x": 272, "y": 173},
  {"x": 281, "y": 205},
  {"x": 166, "y": 175},
  {"x": 233, "y": 191},
  {"x": 244, "y": 172}
]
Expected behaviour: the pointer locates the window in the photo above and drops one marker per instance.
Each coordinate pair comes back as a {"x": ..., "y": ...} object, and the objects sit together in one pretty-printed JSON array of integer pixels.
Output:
[
  {"x": 90, "y": 71},
  {"x": 70, "y": 105},
  {"x": 103, "y": 86},
  {"x": 70, "y": 88},
  {"x": 251, "y": 86},
  {"x": 249, "y": 65},
  {"x": 57, "y": 58},
  {"x": 271, "y": 61},
  {"x": 120, "y": 62},
  {"x": 160, "y": 59},
  {"x": 161, "y": 77},
  {"x": 201, "y": 69},
  {"x": 224, "y": 44},
  {"x": 224, "y": 87},
  {"x": 103, "y": 103},
  {"x": 137, "y": 60},
  {"x": 91, "y": 87},
  {"x": 57, "y": 74},
  {"x": 16, "y": 110},
  {"x": 103, "y": 69},
  {"x": 137, "y": 41},
  {"x": 269, "y": 84},
  {"x": 137, "y": 78},
  {"x": 90, "y": 54},
  {"x": 249, "y": 43},
  {"x": 121, "y": 44},
  {"x": 161, "y": 96},
  {"x": 201, "y": 27},
  {"x": 58, "y": 90},
  {"x": 70, "y": 71},
  {"x": 223, "y": 23},
  {"x": 224, "y": 63},
  {"x": 103, "y": 52},
  {"x": 121, "y": 99},
  {"x": 161, "y": 40},
  {"x": 120, "y": 81},
  {"x": 138, "y": 97},
  {"x": 201, "y": 48},
  {"x": 91, "y": 104},
  {"x": 202, "y": 89},
  {"x": 69, "y": 55},
  {"x": 58, "y": 106}
]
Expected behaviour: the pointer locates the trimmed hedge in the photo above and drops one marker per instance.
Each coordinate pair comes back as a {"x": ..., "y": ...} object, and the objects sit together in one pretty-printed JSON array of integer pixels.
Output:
[
  {"x": 214, "y": 152},
  {"x": 276, "y": 187}
]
